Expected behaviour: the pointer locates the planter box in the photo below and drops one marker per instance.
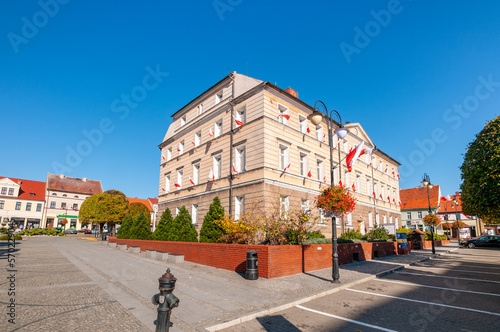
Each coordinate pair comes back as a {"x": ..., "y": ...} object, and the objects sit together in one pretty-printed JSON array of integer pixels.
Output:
[
  {"x": 122, "y": 246},
  {"x": 151, "y": 253},
  {"x": 161, "y": 255},
  {"x": 176, "y": 258},
  {"x": 135, "y": 250}
]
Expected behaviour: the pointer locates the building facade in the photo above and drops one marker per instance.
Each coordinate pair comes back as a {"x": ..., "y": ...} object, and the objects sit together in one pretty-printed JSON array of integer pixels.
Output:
[
  {"x": 415, "y": 206},
  {"x": 450, "y": 210},
  {"x": 250, "y": 143},
  {"x": 21, "y": 201},
  {"x": 64, "y": 197}
]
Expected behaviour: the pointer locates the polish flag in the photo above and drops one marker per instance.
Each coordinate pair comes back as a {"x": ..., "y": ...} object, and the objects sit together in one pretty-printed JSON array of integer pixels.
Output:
[
  {"x": 386, "y": 170},
  {"x": 446, "y": 198},
  {"x": 393, "y": 174},
  {"x": 354, "y": 154},
  {"x": 335, "y": 141},
  {"x": 211, "y": 175},
  {"x": 286, "y": 116},
  {"x": 163, "y": 189},
  {"x": 234, "y": 168},
  {"x": 238, "y": 122},
  {"x": 193, "y": 142},
  {"x": 308, "y": 130},
  {"x": 398, "y": 177},
  {"x": 380, "y": 196},
  {"x": 309, "y": 174},
  {"x": 163, "y": 157},
  {"x": 399, "y": 203},
  {"x": 394, "y": 201},
  {"x": 324, "y": 179},
  {"x": 374, "y": 195},
  {"x": 177, "y": 185},
  {"x": 191, "y": 180},
  {"x": 353, "y": 188},
  {"x": 178, "y": 150},
  {"x": 340, "y": 183},
  {"x": 388, "y": 199},
  {"x": 210, "y": 132},
  {"x": 287, "y": 167},
  {"x": 324, "y": 138}
]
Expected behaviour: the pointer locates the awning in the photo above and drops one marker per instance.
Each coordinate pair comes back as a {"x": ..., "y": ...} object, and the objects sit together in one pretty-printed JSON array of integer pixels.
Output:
[{"x": 65, "y": 216}]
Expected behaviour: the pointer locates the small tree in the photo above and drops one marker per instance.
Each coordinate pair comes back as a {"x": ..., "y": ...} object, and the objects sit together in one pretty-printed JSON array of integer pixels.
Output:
[
  {"x": 140, "y": 228},
  {"x": 138, "y": 207},
  {"x": 210, "y": 231},
  {"x": 162, "y": 230},
  {"x": 183, "y": 228},
  {"x": 124, "y": 230}
]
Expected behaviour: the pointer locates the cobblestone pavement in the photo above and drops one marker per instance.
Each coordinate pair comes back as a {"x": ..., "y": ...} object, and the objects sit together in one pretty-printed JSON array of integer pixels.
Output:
[{"x": 78, "y": 283}]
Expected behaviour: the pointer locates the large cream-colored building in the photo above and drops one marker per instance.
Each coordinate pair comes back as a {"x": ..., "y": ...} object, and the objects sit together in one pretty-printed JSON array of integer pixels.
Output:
[{"x": 276, "y": 160}]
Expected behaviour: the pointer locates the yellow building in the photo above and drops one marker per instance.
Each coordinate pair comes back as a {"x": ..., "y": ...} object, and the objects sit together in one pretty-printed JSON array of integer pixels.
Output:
[{"x": 250, "y": 143}]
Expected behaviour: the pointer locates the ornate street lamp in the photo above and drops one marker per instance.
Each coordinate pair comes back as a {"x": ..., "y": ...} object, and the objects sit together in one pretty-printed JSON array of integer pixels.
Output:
[
  {"x": 426, "y": 182},
  {"x": 457, "y": 221},
  {"x": 316, "y": 117}
]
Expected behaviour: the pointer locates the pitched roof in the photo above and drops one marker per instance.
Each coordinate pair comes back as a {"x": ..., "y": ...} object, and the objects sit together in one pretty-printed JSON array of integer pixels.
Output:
[
  {"x": 449, "y": 206},
  {"x": 416, "y": 198},
  {"x": 31, "y": 190},
  {"x": 153, "y": 200},
  {"x": 140, "y": 200},
  {"x": 73, "y": 185}
]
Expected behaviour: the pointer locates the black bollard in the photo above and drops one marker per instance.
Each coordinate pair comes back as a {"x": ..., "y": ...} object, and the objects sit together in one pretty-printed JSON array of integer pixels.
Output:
[{"x": 165, "y": 300}]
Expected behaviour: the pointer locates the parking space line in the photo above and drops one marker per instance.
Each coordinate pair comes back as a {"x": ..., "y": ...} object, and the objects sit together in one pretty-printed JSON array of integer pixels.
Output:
[
  {"x": 425, "y": 302},
  {"x": 451, "y": 289},
  {"x": 345, "y": 319},
  {"x": 447, "y": 277},
  {"x": 454, "y": 270},
  {"x": 468, "y": 264}
]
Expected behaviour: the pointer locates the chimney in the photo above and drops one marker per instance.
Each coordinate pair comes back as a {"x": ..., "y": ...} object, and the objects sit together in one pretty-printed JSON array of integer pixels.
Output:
[
  {"x": 292, "y": 92},
  {"x": 61, "y": 176},
  {"x": 84, "y": 179},
  {"x": 457, "y": 193}
]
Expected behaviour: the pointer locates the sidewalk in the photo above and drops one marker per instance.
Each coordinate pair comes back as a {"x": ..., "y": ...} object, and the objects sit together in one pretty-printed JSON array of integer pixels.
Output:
[{"x": 63, "y": 282}]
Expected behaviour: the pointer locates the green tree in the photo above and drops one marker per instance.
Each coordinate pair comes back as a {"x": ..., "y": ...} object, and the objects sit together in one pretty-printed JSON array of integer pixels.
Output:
[
  {"x": 183, "y": 228},
  {"x": 481, "y": 174},
  {"x": 124, "y": 230},
  {"x": 108, "y": 207},
  {"x": 210, "y": 231},
  {"x": 138, "y": 207},
  {"x": 140, "y": 228},
  {"x": 164, "y": 225}
]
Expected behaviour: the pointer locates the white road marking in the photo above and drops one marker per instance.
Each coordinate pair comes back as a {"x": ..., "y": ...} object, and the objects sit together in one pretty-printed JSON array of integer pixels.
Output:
[
  {"x": 345, "y": 319},
  {"x": 425, "y": 302},
  {"x": 453, "y": 270},
  {"x": 451, "y": 289},
  {"x": 435, "y": 276},
  {"x": 452, "y": 265}
]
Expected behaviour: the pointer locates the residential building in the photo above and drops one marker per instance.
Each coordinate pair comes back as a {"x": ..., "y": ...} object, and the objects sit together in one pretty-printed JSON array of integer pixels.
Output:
[
  {"x": 449, "y": 212},
  {"x": 254, "y": 148},
  {"x": 65, "y": 196},
  {"x": 21, "y": 201},
  {"x": 415, "y": 206}
]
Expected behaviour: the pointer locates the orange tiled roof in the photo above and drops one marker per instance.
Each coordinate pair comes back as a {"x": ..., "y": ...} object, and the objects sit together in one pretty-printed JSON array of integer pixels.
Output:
[
  {"x": 73, "y": 185},
  {"x": 416, "y": 198},
  {"x": 449, "y": 206},
  {"x": 32, "y": 190},
  {"x": 140, "y": 200},
  {"x": 153, "y": 200}
]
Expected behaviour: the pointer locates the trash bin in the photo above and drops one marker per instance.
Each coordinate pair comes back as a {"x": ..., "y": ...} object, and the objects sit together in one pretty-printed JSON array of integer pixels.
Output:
[{"x": 252, "y": 273}]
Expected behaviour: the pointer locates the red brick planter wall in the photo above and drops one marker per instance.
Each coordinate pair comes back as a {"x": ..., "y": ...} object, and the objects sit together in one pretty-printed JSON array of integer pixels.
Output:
[{"x": 274, "y": 261}]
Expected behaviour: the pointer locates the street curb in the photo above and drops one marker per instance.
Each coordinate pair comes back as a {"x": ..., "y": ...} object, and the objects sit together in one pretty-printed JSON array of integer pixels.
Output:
[{"x": 289, "y": 305}]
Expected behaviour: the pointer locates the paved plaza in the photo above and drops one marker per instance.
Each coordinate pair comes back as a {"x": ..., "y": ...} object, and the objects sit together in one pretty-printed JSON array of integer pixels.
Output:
[{"x": 82, "y": 284}]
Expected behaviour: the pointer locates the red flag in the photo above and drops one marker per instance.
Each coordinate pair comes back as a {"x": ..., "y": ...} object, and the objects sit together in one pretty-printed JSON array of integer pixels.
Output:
[
  {"x": 163, "y": 157},
  {"x": 309, "y": 174},
  {"x": 394, "y": 201},
  {"x": 388, "y": 199},
  {"x": 177, "y": 185},
  {"x": 210, "y": 132},
  {"x": 340, "y": 183},
  {"x": 178, "y": 150},
  {"x": 324, "y": 138},
  {"x": 354, "y": 154},
  {"x": 324, "y": 179},
  {"x": 353, "y": 187},
  {"x": 286, "y": 116},
  {"x": 308, "y": 130},
  {"x": 238, "y": 122},
  {"x": 191, "y": 180},
  {"x": 211, "y": 175},
  {"x": 287, "y": 167},
  {"x": 398, "y": 176},
  {"x": 393, "y": 174},
  {"x": 163, "y": 189},
  {"x": 234, "y": 168},
  {"x": 374, "y": 195},
  {"x": 380, "y": 196},
  {"x": 399, "y": 203},
  {"x": 193, "y": 142}
]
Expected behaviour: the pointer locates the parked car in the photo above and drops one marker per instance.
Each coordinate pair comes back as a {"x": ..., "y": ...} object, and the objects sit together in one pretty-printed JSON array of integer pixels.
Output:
[
  {"x": 87, "y": 231},
  {"x": 482, "y": 241},
  {"x": 70, "y": 231}
]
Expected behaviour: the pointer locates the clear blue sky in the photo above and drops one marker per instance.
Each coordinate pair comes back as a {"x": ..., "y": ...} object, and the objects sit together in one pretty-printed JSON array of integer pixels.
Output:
[{"x": 62, "y": 73}]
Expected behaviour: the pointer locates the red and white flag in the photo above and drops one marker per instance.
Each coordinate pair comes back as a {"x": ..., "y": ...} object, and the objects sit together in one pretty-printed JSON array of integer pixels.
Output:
[
  {"x": 238, "y": 122},
  {"x": 163, "y": 157},
  {"x": 191, "y": 180},
  {"x": 340, "y": 183},
  {"x": 193, "y": 142},
  {"x": 324, "y": 138},
  {"x": 177, "y": 185},
  {"x": 324, "y": 179},
  {"x": 354, "y": 154},
  {"x": 287, "y": 167},
  {"x": 210, "y": 132},
  {"x": 163, "y": 189},
  {"x": 388, "y": 199},
  {"x": 211, "y": 175},
  {"x": 374, "y": 195},
  {"x": 309, "y": 174},
  {"x": 286, "y": 116},
  {"x": 308, "y": 130},
  {"x": 398, "y": 177},
  {"x": 393, "y": 174},
  {"x": 234, "y": 168},
  {"x": 386, "y": 170},
  {"x": 394, "y": 201},
  {"x": 335, "y": 141},
  {"x": 380, "y": 196},
  {"x": 446, "y": 198},
  {"x": 399, "y": 203},
  {"x": 178, "y": 149},
  {"x": 353, "y": 188}
]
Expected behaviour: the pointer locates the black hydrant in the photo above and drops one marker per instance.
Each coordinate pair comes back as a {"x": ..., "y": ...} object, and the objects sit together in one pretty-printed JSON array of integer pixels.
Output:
[{"x": 165, "y": 300}]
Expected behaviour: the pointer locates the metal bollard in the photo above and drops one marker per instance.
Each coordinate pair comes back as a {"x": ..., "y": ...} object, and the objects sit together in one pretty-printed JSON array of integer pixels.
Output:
[{"x": 165, "y": 300}]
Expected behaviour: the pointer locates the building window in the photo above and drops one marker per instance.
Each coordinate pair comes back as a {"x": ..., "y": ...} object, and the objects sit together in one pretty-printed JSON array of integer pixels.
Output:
[
  {"x": 72, "y": 223},
  {"x": 28, "y": 206},
  {"x": 302, "y": 124},
  {"x": 370, "y": 220},
  {"x": 200, "y": 109},
  {"x": 196, "y": 173},
  {"x": 377, "y": 219},
  {"x": 358, "y": 182},
  {"x": 4, "y": 190},
  {"x": 18, "y": 205},
  {"x": 183, "y": 120},
  {"x": 180, "y": 148},
  {"x": 11, "y": 191},
  {"x": 63, "y": 205},
  {"x": 218, "y": 128},
  {"x": 64, "y": 195},
  {"x": 320, "y": 169},
  {"x": 419, "y": 214},
  {"x": 380, "y": 166},
  {"x": 194, "y": 214},
  {"x": 375, "y": 190},
  {"x": 396, "y": 222},
  {"x": 322, "y": 218},
  {"x": 177, "y": 210},
  {"x": 218, "y": 98},
  {"x": 347, "y": 178},
  {"x": 197, "y": 138},
  {"x": 283, "y": 157},
  {"x": 346, "y": 147},
  {"x": 319, "y": 132},
  {"x": 383, "y": 191},
  {"x": 75, "y": 206},
  {"x": 39, "y": 207},
  {"x": 240, "y": 116},
  {"x": 54, "y": 194},
  {"x": 169, "y": 154},
  {"x": 385, "y": 219},
  {"x": 217, "y": 161},
  {"x": 368, "y": 186},
  {"x": 240, "y": 158},
  {"x": 239, "y": 206},
  {"x": 390, "y": 220},
  {"x": 282, "y": 111},
  {"x": 304, "y": 205},
  {"x": 167, "y": 183},
  {"x": 284, "y": 206},
  {"x": 180, "y": 173},
  {"x": 303, "y": 164},
  {"x": 408, "y": 215},
  {"x": 2, "y": 204},
  {"x": 349, "y": 219},
  {"x": 52, "y": 205}
]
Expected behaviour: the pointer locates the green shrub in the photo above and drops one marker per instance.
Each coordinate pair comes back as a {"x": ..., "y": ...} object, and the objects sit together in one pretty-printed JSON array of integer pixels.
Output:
[
  {"x": 61, "y": 234},
  {"x": 124, "y": 230},
  {"x": 162, "y": 229},
  {"x": 351, "y": 234},
  {"x": 294, "y": 236},
  {"x": 183, "y": 228},
  {"x": 318, "y": 241},
  {"x": 4, "y": 230},
  {"x": 403, "y": 230},
  {"x": 379, "y": 233},
  {"x": 210, "y": 231},
  {"x": 140, "y": 229},
  {"x": 6, "y": 237},
  {"x": 314, "y": 235}
]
